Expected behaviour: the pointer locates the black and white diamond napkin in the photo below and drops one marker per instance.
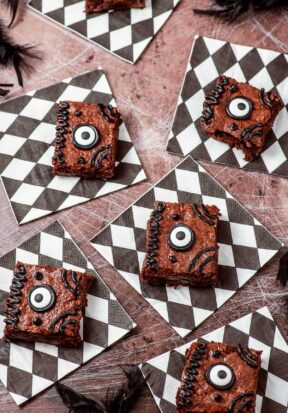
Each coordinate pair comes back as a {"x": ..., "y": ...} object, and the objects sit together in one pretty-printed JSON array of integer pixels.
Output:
[
  {"x": 261, "y": 68},
  {"x": 125, "y": 33},
  {"x": 28, "y": 368},
  {"x": 257, "y": 330},
  {"x": 27, "y": 132},
  {"x": 244, "y": 246}
]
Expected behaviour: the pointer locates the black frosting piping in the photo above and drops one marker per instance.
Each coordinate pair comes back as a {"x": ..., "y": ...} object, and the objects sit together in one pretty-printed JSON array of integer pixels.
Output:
[
  {"x": 61, "y": 131},
  {"x": 248, "y": 133},
  {"x": 213, "y": 99},
  {"x": 108, "y": 114},
  {"x": 75, "y": 279},
  {"x": 241, "y": 396},
  {"x": 13, "y": 300},
  {"x": 205, "y": 262},
  {"x": 243, "y": 404},
  {"x": 202, "y": 214},
  {"x": 185, "y": 392},
  {"x": 247, "y": 356},
  {"x": 208, "y": 213},
  {"x": 74, "y": 291},
  {"x": 100, "y": 155},
  {"x": 153, "y": 238},
  {"x": 199, "y": 255},
  {"x": 265, "y": 99},
  {"x": 61, "y": 317},
  {"x": 67, "y": 322}
]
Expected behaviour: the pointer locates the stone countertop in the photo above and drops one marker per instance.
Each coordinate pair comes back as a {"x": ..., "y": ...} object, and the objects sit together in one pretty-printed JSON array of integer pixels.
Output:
[{"x": 146, "y": 94}]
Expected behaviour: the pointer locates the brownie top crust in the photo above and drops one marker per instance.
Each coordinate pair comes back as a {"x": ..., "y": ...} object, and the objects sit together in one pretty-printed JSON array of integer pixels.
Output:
[
  {"x": 219, "y": 114},
  {"x": 181, "y": 239},
  {"x": 94, "y": 6},
  {"x": 86, "y": 139},
  {"x": 240, "y": 114},
  {"x": 219, "y": 378},
  {"x": 45, "y": 302}
]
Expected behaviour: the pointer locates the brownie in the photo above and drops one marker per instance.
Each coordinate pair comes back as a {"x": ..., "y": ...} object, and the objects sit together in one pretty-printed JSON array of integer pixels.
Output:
[
  {"x": 46, "y": 304},
  {"x": 240, "y": 115},
  {"x": 218, "y": 378},
  {"x": 96, "y": 6},
  {"x": 86, "y": 140},
  {"x": 181, "y": 245}
]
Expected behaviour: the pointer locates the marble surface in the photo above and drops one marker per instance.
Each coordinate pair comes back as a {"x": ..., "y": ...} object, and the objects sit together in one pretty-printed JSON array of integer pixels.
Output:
[{"x": 146, "y": 94}]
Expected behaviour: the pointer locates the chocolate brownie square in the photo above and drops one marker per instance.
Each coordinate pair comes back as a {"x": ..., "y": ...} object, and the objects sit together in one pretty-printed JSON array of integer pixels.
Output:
[
  {"x": 240, "y": 115},
  {"x": 96, "y": 6},
  {"x": 218, "y": 378},
  {"x": 86, "y": 140},
  {"x": 181, "y": 245},
  {"x": 46, "y": 304}
]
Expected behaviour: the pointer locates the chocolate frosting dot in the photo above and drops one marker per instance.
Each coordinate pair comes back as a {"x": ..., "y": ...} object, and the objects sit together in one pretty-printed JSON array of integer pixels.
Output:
[
  {"x": 37, "y": 321},
  {"x": 38, "y": 276},
  {"x": 217, "y": 397},
  {"x": 233, "y": 126},
  {"x": 217, "y": 354}
]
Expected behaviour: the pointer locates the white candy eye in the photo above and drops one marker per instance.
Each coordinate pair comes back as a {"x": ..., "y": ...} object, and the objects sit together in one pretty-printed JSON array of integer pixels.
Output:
[
  {"x": 85, "y": 136},
  {"x": 41, "y": 298},
  {"x": 181, "y": 237},
  {"x": 239, "y": 108},
  {"x": 220, "y": 376}
]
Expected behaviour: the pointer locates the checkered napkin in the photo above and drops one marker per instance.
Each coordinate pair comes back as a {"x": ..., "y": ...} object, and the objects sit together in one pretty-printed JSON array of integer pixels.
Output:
[
  {"x": 125, "y": 33},
  {"x": 256, "y": 330},
  {"x": 261, "y": 68},
  {"x": 244, "y": 246},
  {"x": 28, "y": 368},
  {"x": 27, "y": 132}
]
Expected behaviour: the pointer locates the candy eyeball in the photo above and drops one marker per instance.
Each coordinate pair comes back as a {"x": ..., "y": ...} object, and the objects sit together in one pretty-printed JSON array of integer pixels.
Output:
[
  {"x": 42, "y": 298},
  {"x": 85, "y": 136},
  {"x": 239, "y": 108},
  {"x": 181, "y": 237},
  {"x": 221, "y": 376}
]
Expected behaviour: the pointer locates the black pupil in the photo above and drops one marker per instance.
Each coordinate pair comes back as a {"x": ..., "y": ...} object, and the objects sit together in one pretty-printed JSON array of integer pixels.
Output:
[
  {"x": 180, "y": 235},
  {"x": 38, "y": 298},
  {"x": 85, "y": 135},
  {"x": 241, "y": 106},
  {"x": 222, "y": 374}
]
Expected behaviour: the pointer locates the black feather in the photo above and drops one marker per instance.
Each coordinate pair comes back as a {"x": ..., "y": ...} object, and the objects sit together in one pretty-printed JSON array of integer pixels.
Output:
[
  {"x": 78, "y": 403},
  {"x": 126, "y": 396},
  {"x": 15, "y": 55},
  {"x": 282, "y": 275},
  {"x": 4, "y": 92},
  {"x": 114, "y": 402},
  {"x": 13, "y": 6},
  {"x": 231, "y": 9}
]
